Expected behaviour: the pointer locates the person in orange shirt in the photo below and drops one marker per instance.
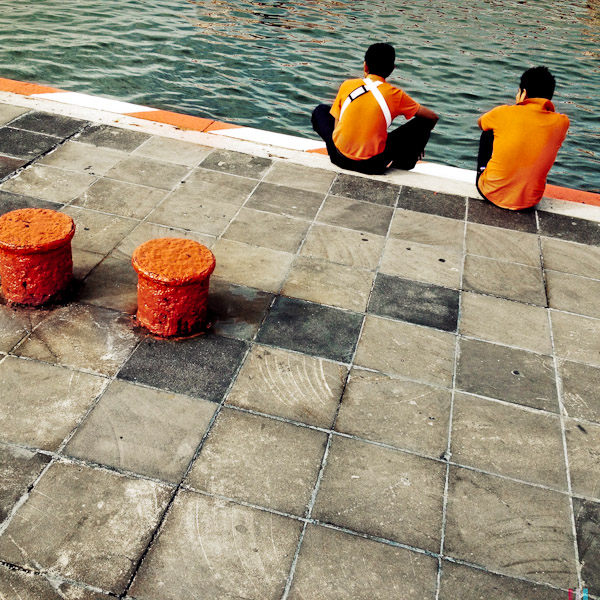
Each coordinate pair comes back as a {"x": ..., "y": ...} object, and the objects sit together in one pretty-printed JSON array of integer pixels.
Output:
[
  {"x": 355, "y": 128},
  {"x": 519, "y": 144}
]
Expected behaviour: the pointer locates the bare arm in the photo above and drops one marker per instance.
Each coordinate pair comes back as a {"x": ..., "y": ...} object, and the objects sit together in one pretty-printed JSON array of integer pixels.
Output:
[{"x": 425, "y": 113}]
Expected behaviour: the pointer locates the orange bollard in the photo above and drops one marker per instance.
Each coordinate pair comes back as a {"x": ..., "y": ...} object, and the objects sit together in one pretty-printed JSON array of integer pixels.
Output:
[
  {"x": 35, "y": 254},
  {"x": 173, "y": 277}
]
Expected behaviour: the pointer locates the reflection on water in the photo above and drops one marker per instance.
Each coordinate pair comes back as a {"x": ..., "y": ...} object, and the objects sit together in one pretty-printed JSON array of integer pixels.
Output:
[{"x": 267, "y": 64}]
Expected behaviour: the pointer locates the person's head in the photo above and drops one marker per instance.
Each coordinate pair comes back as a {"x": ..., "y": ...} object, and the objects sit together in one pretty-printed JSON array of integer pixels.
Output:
[
  {"x": 538, "y": 82},
  {"x": 379, "y": 59}
]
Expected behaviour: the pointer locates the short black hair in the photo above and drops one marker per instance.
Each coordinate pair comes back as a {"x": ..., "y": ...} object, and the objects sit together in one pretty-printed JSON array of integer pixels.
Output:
[
  {"x": 380, "y": 59},
  {"x": 538, "y": 82}
]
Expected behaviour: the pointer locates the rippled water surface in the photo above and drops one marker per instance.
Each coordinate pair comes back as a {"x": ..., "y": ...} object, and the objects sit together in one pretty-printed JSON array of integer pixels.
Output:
[{"x": 267, "y": 64}]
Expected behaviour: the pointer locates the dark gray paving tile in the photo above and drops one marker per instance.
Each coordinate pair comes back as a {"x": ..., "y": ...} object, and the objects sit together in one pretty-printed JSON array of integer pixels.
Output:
[
  {"x": 25, "y": 144},
  {"x": 569, "y": 228},
  {"x": 507, "y": 374},
  {"x": 587, "y": 524},
  {"x": 287, "y": 201},
  {"x": 354, "y": 214},
  {"x": 415, "y": 302},
  {"x": 237, "y": 163},
  {"x": 486, "y": 213},
  {"x": 10, "y": 165},
  {"x": 10, "y": 201},
  {"x": 112, "y": 137},
  {"x": 49, "y": 124},
  {"x": 433, "y": 203},
  {"x": 202, "y": 367},
  {"x": 311, "y": 328},
  {"x": 363, "y": 188}
]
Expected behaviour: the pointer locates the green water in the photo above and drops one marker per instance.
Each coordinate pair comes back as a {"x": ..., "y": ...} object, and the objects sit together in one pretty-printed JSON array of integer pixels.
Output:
[{"x": 267, "y": 64}]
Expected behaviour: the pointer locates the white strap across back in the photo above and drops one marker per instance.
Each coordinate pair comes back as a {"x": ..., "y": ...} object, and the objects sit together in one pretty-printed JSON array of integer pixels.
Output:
[{"x": 369, "y": 86}]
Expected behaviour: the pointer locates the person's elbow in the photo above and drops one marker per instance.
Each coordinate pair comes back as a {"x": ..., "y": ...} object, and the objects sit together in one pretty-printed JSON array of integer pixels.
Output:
[{"x": 428, "y": 114}]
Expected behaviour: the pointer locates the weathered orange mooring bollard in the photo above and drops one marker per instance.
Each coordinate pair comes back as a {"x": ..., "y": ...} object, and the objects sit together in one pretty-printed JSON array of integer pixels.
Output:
[
  {"x": 35, "y": 254},
  {"x": 173, "y": 277}
]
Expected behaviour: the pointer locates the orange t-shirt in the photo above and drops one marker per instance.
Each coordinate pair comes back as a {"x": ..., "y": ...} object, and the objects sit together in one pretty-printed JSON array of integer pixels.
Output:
[
  {"x": 527, "y": 137},
  {"x": 362, "y": 132}
]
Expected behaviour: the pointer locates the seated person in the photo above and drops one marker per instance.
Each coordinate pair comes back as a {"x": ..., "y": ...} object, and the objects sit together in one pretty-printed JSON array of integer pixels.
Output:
[
  {"x": 355, "y": 128},
  {"x": 519, "y": 144}
]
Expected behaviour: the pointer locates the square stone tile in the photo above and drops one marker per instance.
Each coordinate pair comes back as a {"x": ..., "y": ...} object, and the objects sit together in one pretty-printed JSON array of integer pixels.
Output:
[
  {"x": 508, "y": 440},
  {"x": 172, "y": 151},
  {"x": 8, "y": 112},
  {"x": 459, "y": 581},
  {"x": 146, "y": 431},
  {"x": 237, "y": 163},
  {"x": 49, "y": 183},
  {"x": 510, "y": 528},
  {"x": 420, "y": 303},
  {"x": 503, "y": 244},
  {"x": 251, "y": 266},
  {"x": 398, "y": 348},
  {"x": 260, "y": 461},
  {"x": 431, "y": 230},
  {"x": 487, "y": 213},
  {"x": 9, "y": 201},
  {"x": 112, "y": 137},
  {"x": 433, "y": 203},
  {"x": 145, "y": 171},
  {"x": 19, "y": 468},
  {"x": 576, "y": 338},
  {"x": 202, "y": 367},
  {"x": 311, "y": 329},
  {"x": 49, "y": 124},
  {"x": 573, "y": 294},
  {"x": 365, "y": 188},
  {"x": 219, "y": 548},
  {"x": 267, "y": 230},
  {"x": 580, "y": 385},
  {"x": 339, "y": 566},
  {"x": 300, "y": 177},
  {"x": 344, "y": 246},
  {"x": 583, "y": 447},
  {"x": 395, "y": 411},
  {"x": 84, "y": 158},
  {"x": 587, "y": 523},
  {"x": 504, "y": 279},
  {"x": 354, "y": 214},
  {"x": 27, "y": 145},
  {"x": 120, "y": 198},
  {"x": 505, "y": 322},
  {"x": 568, "y": 257},
  {"x": 429, "y": 264},
  {"x": 325, "y": 282},
  {"x": 83, "y": 337},
  {"x": 288, "y": 201},
  {"x": 382, "y": 492},
  {"x": 507, "y": 374},
  {"x": 293, "y": 386},
  {"x": 85, "y": 524},
  {"x": 569, "y": 228},
  {"x": 83, "y": 263},
  {"x": 16, "y": 323},
  {"x": 236, "y": 311},
  {"x": 215, "y": 187},
  {"x": 9, "y": 165}
]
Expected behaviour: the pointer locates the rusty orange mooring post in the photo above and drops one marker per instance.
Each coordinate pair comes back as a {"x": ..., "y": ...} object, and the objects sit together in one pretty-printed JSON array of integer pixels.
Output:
[
  {"x": 35, "y": 254},
  {"x": 173, "y": 278}
]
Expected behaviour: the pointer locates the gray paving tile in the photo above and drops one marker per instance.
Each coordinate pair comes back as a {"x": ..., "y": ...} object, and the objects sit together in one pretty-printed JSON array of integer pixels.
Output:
[
  {"x": 415, "y": 302},
  {"x": 587, "y": 522},
  {"x": 10, "y": 201},
  {"x": 568, "y": 257},
  {"x": 83, "y": 263},
  {"x": 511, "y": 528},
  {"x": 95, "y": 532},
  {"x": 364, "y": 188},
  {"x": 354, "y": 214},
  {"x": 580, "y": 385},
  {"x": 382, "y": 492},
  {"x": 288, "y": 201},
  {"x": 576, "y": 338},
  {"x": 339, "y": 566},
  {"x": 300, "y": 177},
  {"x": 16, "y": 323},
  {"x": 42, "y": 413},
  {"x": 145, "y": 171},
  {"x": 112, "y": 137},
  {"x": 237, "y": 163},
  {"x": 18, "y": 143},
  {"x": 573, "y": 294},
  {"x": 508, "y": 440},
  {"x": 507, "y": 374},
  {"x": 84, "y": 158},
  {"x": 486, "y": 213},
  {"x": 202, "y": 367},
  {"x": 215, "y": 187},
  {"x": 223, "y": 549},
  {"x": 261, "y": 461},
  {"x": 289, "y": 385},
  {"x": 394, "y": 411},
  {"x": 569, "y": 228},
  {"x": 128, "y": 430},
  {"x": 9, "y": 165},
  {"x": 8, "y": 112},
  {"x": 431, "y": 230},
  {"x": 583, "y": 441},
  {"x": 312, "y": 329},
  {"x": 49, "y": 124},
  {"x": 173, "y": 151},
  {"x": 433, "y": 203}
]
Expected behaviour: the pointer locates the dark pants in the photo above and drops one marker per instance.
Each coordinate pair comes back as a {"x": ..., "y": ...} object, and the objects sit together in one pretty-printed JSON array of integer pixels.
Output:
[
  {"x": 486, "y": 146},
  {"x": 403, "y": 148}
]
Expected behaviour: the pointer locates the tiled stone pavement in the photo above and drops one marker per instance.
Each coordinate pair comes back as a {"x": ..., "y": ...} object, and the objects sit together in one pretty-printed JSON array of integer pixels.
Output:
[{"x": 398, "y": 397}]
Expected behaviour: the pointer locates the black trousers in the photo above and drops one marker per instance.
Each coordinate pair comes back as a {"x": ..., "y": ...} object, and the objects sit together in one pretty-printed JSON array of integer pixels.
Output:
[
  {"x": 486, "y": 146},
  {"x": 403, "y": 148}
]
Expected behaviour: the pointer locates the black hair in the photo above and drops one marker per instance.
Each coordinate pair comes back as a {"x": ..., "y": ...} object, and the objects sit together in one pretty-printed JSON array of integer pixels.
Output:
[
  {"x": 380, "y": 59},
  {"x": 538, "y": 82}
]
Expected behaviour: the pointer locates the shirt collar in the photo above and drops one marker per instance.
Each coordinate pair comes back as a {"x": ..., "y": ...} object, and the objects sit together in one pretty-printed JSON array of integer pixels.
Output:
[
  {"x": 542, "y": 103},
  {"x": 375, "y": 77}
]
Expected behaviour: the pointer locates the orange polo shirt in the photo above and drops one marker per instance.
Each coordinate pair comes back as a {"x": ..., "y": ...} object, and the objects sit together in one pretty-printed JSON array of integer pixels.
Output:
[
  {"x": 362, "y": 132},
  {"x": 527, "y": 137}
]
